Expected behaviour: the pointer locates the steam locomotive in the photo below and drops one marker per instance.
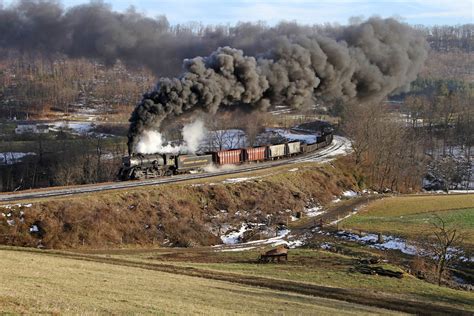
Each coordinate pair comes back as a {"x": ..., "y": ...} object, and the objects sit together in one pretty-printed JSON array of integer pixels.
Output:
[{"x": 139, "y": 166}]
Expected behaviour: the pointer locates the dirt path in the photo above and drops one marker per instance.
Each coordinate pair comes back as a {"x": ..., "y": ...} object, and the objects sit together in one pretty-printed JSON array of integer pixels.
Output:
[
  {"x": 333, "y": 213},
  {"x": 348, "y": 295}
]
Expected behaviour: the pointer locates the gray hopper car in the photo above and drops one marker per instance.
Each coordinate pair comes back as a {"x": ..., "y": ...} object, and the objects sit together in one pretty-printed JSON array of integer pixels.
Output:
[
  {"x": 276, "y": 151},
  {"x": 293, "y": 148},
  {"x": 157, "y": 165}
]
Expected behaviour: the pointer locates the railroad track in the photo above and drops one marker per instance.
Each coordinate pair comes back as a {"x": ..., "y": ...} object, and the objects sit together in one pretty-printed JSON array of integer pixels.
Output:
[{"x": 322, "y": 155}]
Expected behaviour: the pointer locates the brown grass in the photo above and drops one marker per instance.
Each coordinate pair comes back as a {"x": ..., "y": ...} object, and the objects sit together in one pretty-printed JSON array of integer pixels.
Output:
[
  {"x": 185, "y": 214},
  {"x": 273, "y": 281},
  {"x": 30, "y": 285}
]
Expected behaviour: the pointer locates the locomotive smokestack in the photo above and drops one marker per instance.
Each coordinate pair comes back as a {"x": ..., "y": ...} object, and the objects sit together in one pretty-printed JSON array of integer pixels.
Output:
[{"x": 366, "y": 63}]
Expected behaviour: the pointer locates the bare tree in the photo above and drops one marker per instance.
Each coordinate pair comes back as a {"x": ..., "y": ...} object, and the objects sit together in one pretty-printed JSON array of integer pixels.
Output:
[{"x": 443, "y": 244}]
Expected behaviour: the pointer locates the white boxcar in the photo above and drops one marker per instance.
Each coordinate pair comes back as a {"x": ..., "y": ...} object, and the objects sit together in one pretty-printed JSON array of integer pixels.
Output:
[
  {"x": 294, "y": 148},
  {"x": 276, "y": 151}
]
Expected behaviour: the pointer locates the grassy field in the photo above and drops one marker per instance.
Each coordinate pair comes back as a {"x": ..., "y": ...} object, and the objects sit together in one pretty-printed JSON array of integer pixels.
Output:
[
  {"x": 39, "y": 283},
  {"x": 410, "y": 216},
  {"x": 315, "y": 267}
]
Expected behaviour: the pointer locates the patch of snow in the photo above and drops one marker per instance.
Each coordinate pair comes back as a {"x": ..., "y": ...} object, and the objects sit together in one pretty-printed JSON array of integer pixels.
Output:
[
  {"x": 34, "y": 229},
  {"x": 397, "y": 244},
  {"x": 293, "y": 170},
  {"x": 349, "y": 194},
  {"x": 236, "y": 236},
  {"x": 237, "y": 249},
  {"x": 236, "y": 180},
  {"x": 295, "y": 243},
  {"x": 462, "y": 191},
  {"x": 389, "y": 242},
  {"x": 326, "y": 246},
  {"x": 80, "y": 128},
  {"x": 291, "y": 136},
  {"x": 336, "y": 200},
  {"x": 10, "y": 222},
  {"x": 10, "y": 158},
  {"x": 9, "y": 206},
  {"x": 314, "y": 211},
  {"x": 283, "y": 232}
]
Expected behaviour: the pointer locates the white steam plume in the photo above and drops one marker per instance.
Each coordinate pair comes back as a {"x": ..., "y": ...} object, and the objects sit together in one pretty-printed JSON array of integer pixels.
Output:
[
  {"x": 193, "y": 135},
  {"x": 151, "y": 142}
]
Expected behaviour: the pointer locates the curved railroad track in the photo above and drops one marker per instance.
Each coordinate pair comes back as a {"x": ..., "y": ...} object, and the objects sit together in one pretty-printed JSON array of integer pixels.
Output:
[{"x": 322, "y": 155}]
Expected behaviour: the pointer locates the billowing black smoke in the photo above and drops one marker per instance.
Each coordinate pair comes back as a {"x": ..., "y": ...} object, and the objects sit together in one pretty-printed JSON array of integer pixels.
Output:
[
  {"x": 95, "y": 31},
  {"x": 285, "y": 64},
  {"x": 365, "y": 63},
  {"x": 91, "y": 30}
]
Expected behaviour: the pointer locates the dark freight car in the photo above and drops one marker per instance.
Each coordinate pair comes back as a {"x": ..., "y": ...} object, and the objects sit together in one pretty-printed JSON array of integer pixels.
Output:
[
  {"x": 192, "y": 162},
  {"x": 225, "y": 157},
  {"x": 255, "y": 154}
]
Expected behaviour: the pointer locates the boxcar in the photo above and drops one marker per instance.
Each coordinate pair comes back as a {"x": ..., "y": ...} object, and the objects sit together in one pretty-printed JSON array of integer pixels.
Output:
[
  {"x": 189, "y": 162},
  {"x": 254, "y": 154},
  {"x": 276, "y": 151},
  {"x": 225, "y": 157},
  {"x": 293, "y": 148}
]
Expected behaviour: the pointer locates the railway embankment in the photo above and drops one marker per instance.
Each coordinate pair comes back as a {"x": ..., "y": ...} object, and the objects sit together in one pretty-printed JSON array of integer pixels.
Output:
[{"x": 187, "y": 214}]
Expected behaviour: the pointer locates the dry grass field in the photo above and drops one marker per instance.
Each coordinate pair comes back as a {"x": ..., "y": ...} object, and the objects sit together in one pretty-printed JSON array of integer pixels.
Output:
[
  {"x": 312, "y": 266},
  {"x": 35, "y": 283}
]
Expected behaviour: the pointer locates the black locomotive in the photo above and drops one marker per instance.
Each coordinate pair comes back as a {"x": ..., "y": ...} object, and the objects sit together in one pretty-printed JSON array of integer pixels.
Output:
[{"x": 139, "y": 166}]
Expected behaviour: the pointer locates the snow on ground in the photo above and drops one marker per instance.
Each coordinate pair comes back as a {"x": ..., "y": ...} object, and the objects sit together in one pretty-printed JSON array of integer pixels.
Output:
[
  {"x": 281, "y": 109},
  {"x": 80, "y": 128},
  {"x": 9, "y": 206},
  {"x": 10, "y": 158},
  {"x": 462, "y": 191},
  {"x": 283, "y": 232},
  {"x": 293, "y": 170},
  {"x": 232, "y": 240},
  {"x": 237, "y": 249},
  {"x": 349, "y": 194},
  {"x": 237, "y": 180},
  {"x": 345, "y": 148},
  {"x": 388, "y": 243},
  {"x": 236, "y": 236},
  {"x": 292, "y": 136},
  {"x": 314, "y": 211},
  {"x": 340, "y": 146}
]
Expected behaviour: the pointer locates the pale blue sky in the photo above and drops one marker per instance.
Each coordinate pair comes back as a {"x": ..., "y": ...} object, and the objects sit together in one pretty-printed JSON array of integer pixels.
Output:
[{"x": 303, "y": 11}]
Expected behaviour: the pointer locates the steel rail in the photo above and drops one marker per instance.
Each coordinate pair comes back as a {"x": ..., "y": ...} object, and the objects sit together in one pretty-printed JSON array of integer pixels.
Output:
[{"x": 317, "y": 156}]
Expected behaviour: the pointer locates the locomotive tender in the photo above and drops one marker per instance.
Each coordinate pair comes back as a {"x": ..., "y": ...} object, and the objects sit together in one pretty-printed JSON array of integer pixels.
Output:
[{"x": 139, "y": 166}]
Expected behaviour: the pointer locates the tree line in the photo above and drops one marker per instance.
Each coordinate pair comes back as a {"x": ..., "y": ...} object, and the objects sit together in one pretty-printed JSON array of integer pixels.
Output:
[{"x": 431, "y": 134}]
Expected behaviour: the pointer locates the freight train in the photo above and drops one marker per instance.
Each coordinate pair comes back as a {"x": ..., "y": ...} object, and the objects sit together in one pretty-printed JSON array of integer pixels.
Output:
[{"x": 139, "y": 166}]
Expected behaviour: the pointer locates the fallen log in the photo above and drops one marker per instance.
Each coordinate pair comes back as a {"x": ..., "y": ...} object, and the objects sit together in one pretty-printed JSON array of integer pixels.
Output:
[{"x": 365, "y": 269}]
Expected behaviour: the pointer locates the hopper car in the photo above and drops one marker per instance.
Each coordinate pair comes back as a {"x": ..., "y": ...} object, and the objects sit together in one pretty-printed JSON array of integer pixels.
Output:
[{"x": 139, "y": 166}]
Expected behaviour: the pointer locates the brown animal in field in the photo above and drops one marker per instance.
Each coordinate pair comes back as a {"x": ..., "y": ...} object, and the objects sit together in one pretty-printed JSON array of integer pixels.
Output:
[{"x": 276, "y": 253}]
